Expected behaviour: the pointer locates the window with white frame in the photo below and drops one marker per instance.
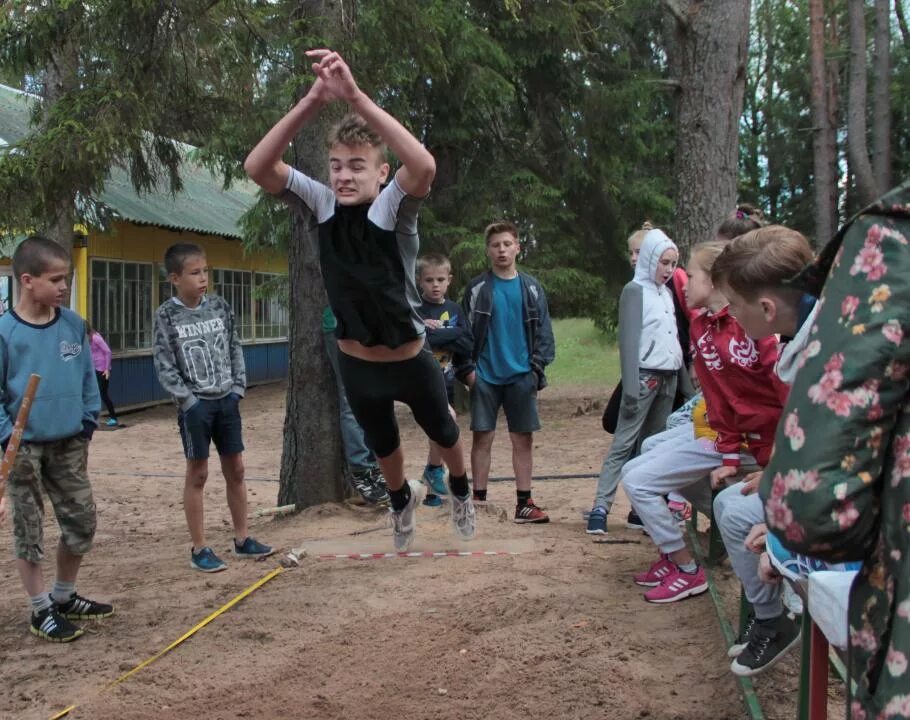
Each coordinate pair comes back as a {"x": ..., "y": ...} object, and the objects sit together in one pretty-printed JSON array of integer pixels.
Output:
[
  {"x": 271, "y": 305},
  {"x": 236, "y": 286},
  {"x": 121, "y": 308}
]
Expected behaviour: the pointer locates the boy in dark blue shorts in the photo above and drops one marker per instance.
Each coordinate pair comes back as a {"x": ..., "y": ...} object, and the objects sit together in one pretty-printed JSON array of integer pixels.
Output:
[
  {"x": 39, "y": 336},
  {"x": 368, "y": 246},
  {"x": 451, "y": 346},
  {"x": 199, "y": 361}
]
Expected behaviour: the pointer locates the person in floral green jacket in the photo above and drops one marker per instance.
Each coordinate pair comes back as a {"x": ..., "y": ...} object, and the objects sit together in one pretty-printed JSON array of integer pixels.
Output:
[{"x": 838, "y": 484}]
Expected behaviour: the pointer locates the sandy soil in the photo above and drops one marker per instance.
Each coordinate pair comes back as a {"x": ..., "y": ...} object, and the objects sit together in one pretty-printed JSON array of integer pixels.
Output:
[{"x": 556, "y": 630}]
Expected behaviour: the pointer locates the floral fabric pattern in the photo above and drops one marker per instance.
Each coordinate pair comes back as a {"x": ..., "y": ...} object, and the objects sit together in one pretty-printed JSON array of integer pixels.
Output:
[{"x": 838, "y": 484}]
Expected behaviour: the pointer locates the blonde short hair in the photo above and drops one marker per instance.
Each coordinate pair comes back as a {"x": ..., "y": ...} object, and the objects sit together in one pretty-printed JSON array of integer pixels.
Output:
[
  {"x": 706, "y": 253},
  {"x": 353, "y": 130},
  {"x": 433, "y": 260},
  {"x": 639, "y": 235},
  {"x": 762, "y": 259}
]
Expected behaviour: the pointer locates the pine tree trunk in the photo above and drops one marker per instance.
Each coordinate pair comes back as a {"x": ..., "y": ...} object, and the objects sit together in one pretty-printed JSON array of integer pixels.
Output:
[
  {"x": 857, "y": 147},
  {"x": 311, "y": 460},
  {"x": 707, "y": 54},
  {"x": 881, "y": 97},
  {"x": 824, "y": 147}
]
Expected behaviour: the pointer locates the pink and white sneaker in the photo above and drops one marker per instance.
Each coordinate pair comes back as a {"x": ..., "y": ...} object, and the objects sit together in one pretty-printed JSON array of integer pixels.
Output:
[
  {"x": 653, "y": 576},
  {"x": 678, "y": 585}
]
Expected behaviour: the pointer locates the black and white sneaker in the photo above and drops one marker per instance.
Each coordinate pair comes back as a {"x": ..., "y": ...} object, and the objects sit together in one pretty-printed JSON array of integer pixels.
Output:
[
  {"x": 50, "y": 625},
  {"x": 634, "y": 522},
  {"x": 364, "y": 484},
  {"x": 744, "y": 637},
  {"x": 770, "y": 641},
  {"x": 380, "y": 489},
  {"x": 80, "y": 608}
]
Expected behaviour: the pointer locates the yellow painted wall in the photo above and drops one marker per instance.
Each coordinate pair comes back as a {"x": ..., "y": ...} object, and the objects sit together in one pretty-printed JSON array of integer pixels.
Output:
[{"x": 143, "y": 243}]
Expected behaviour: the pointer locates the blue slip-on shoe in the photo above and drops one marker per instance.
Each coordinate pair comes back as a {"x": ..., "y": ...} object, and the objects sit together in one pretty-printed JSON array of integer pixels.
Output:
[
  {"x": 206, "y": 560},
  {"x": 432, "y": 501},
  {"x": 435, "y": 479},
  {"x": 597, "y": 522},
  {"x": 251, "y": 548},
  {"x": 112, "y": 422}
]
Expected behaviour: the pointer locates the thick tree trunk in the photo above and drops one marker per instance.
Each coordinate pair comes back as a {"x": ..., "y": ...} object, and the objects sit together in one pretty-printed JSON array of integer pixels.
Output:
[
  {"x": 857, "y": 147},
  {"x": 824, "y": 140},
  {"x": 707, "y": 56},
  {"x": 881, "y": 97},
  {"x": 311, "y": 460}
]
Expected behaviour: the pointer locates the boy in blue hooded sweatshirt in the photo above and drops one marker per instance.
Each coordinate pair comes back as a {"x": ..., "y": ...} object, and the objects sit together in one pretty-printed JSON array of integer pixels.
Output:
[
  {"x": 650, "y": 357},
  {"x": 39, "y": 336}
]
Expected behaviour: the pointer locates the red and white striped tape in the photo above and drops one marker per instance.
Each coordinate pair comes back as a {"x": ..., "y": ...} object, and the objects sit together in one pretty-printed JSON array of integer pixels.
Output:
[{"x": 425, "y": 554}]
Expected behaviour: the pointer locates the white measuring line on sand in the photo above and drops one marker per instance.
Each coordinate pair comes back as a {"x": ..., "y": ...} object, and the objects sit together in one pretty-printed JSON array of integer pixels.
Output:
[{"x": 419, "y": 554}]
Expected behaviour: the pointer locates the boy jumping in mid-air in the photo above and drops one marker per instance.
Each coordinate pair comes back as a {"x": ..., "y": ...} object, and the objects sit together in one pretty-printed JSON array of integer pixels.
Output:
[{"x": 367, "y": 249}]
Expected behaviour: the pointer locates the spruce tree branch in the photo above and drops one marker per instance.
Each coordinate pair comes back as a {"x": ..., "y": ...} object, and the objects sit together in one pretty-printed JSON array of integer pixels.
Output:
[{"x": 902, "y": 21}]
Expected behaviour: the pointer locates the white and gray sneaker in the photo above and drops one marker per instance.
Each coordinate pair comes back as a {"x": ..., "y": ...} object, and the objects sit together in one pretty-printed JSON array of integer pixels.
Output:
[
  {"x": 463, "y": 517},
  {"x": 404, "y": 521}
]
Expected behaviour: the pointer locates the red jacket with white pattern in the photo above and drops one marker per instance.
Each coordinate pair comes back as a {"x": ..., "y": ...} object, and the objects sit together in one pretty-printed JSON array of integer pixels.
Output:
[{"x": 744, "y": 395}]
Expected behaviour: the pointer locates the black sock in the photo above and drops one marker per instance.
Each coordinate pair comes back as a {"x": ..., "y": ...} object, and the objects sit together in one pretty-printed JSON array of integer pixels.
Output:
[
  {"x": 433, "y": 467},
  {"x": 400, "y": 497},
  {"x": 459, "y": 485},
  {"x": 523, "y": 497},
  {"x": 480, "y": 495}
]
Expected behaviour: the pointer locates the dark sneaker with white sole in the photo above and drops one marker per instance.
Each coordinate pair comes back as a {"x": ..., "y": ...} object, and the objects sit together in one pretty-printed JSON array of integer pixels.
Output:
[
  {"x": 366, "y": 481},
  {"x": 80, "y": 608},
  {"x": 206, "y": 560},
  {"x": 50, "y": 625},
  {"x": 252, "y": 548},
  {"x": 770, "y": 641},
  {"x": 634, "y": 522},
  {"x": 744, "y": 637}
]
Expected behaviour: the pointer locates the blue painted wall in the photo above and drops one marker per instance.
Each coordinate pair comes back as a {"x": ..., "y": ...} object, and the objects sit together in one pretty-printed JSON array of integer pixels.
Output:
[{"x": 133, "y": 380}]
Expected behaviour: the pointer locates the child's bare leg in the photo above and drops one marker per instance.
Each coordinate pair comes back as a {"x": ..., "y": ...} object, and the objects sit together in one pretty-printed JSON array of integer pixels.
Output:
[
  {"x": 197, "y": 472},
  {"x": 235, "y": 488},
  {"x": 392, "y": 467},
  {"x": 480, "y": 458},
  {"x": 434, "y": 456},
  {"x": 454, "y": 458},
  {"x": 32, "y": 579},
  {"x": 522, "y": 459}
]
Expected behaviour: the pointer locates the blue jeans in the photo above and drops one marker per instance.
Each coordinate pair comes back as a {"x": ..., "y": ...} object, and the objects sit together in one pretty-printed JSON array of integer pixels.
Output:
[{"x": 356, "y": 452}]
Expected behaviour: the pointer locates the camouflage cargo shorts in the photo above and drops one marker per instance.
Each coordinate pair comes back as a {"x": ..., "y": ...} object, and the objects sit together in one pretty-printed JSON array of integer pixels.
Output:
[{"x": 60, "y": 468}]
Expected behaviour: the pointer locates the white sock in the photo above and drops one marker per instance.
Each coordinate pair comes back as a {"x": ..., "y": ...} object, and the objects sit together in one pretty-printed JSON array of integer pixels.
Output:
[{"x": 62, "y": 591}]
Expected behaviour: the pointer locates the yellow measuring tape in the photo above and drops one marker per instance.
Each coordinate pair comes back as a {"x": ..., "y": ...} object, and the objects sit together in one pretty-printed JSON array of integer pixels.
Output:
[{"x": 224, "y": 608}]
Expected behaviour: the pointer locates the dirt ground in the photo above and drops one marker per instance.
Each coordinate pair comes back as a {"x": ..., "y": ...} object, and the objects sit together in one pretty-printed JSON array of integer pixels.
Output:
[{"x": 555, "y": 630}]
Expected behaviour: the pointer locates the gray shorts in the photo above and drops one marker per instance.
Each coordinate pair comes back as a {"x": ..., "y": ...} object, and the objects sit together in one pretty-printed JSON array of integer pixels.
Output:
[{"x": 518, "y": 399}]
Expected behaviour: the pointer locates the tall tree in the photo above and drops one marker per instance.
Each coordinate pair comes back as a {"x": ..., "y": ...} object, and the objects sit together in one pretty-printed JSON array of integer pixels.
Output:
[
  {"x": 707, "y": 52},
  {"x": 857, "y": 147},
  {"x": 881, "y": 96},
  {"x": 116, "y": 83},
  {"x": 824, "y": 131}
]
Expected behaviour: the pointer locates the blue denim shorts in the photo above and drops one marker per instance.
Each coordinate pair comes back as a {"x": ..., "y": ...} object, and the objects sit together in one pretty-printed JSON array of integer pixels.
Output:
[
  {"x": 211, "y": 420},
  {"x": 517, "y": 399}
]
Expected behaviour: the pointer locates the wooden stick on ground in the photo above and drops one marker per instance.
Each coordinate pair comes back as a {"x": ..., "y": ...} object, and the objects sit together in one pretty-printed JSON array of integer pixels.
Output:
[{"x": 9, "y": 457}]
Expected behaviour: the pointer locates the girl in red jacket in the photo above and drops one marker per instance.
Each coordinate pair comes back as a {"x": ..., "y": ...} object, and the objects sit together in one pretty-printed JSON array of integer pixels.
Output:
[{"x": 744, "y": 399}]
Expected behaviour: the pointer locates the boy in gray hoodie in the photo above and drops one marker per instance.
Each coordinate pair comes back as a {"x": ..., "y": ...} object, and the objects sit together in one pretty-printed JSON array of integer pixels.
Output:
[{"x": 199, "y": 361}]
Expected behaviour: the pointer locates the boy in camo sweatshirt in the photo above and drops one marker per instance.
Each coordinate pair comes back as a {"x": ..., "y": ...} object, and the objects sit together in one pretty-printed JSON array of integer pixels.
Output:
[{"x": 199, "y": 361}]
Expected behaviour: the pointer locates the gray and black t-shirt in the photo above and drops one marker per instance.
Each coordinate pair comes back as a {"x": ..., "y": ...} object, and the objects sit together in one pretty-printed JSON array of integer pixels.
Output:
[
  {"x": 368, "y": 255},
  {"x": 197, "y": 351}
]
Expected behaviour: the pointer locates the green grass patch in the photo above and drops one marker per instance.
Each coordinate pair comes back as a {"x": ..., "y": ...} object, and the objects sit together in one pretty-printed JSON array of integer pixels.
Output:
[{"x": 584, "y": 356}]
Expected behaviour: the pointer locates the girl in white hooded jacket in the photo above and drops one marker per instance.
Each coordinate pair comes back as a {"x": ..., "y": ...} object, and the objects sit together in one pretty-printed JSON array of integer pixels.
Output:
[{"x": 650, "y": 358}]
